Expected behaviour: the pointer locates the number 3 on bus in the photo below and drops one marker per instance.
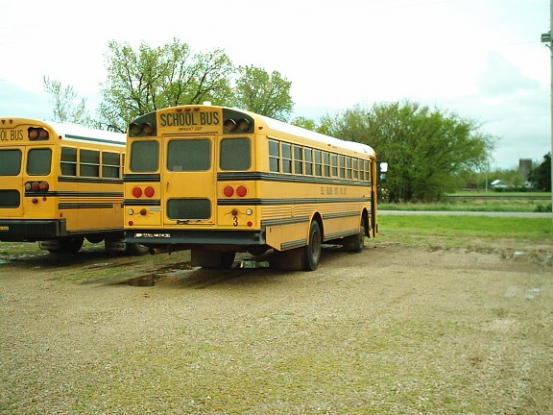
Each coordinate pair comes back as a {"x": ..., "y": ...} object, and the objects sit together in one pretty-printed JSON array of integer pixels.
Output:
[{"x": 219, "y": 181}]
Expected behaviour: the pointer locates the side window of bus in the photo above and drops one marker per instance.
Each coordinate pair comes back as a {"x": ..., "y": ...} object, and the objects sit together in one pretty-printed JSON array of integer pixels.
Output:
[
  {"x": 39, "y": 161},
  {"x": 326, "y": 164},
  {"x": 342, "y": 167},
  {"x": 89, "y": 163},
  {"x": 334, "y": 159},
  {"x": 318, "y": 163},
  {"x": 348, "y": 167},
  {"x": 355, "y": 168},
  {"x": 189, "y": 155},
  {"x": 235, "y": 154},
  {"x": 367, "y": 171},
  {"x": 298, "y": 160},
  {"x": 111, "y": 165},
  {"x": 68, "y": 161},
  {"x": 10, "y": 162},
  {"x": 308, "y": 153},
  {"x": 274, "y": 156},
  {"x": 144, "y": 156},
  {"x": 286, "y": 158}
]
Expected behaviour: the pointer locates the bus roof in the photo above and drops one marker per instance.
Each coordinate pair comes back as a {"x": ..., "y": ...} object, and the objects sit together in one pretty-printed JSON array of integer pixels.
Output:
[{"x": 322, "y": 138}]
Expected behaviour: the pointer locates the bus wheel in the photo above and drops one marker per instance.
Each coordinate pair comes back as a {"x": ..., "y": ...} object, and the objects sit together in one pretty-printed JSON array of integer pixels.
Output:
[
  {"x": 70, "y": 245},
  {"x": 312, "y": 252},
  {"x": 356, "y": 243}
]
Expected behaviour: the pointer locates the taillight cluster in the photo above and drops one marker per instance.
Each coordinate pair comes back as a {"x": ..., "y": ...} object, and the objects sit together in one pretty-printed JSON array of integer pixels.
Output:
[
  {"x": 241, "y": 125},
  {"x": 37, "y": 186},
  {"x": 240, "y": 191},
  {"x": 138, "y": 192},
  {"x": 145, "y": 128},
  {"x": 36, "y": 133}
]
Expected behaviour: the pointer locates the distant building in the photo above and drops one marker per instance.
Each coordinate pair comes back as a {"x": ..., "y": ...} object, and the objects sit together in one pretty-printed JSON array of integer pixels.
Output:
[{"x": 524, "y": 168}]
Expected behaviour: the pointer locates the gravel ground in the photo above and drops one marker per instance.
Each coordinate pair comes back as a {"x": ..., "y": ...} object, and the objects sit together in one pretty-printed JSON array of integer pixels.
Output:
[{"x": 396, "y": 329}]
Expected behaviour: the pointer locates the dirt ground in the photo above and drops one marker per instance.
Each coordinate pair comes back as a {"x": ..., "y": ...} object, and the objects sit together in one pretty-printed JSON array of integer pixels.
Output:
[{"x": 396, "y": 329}]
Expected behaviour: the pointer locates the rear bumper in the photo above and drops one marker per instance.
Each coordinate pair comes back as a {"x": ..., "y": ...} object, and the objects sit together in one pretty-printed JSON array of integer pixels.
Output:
[
  {"x": 17, "y": 230},
  {"x": 151, "y": 237}
]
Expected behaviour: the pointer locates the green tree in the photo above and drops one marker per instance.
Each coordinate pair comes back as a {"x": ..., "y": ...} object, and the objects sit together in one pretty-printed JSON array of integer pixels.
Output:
[
  {"x": 66, "y": 109},
  {"x": 425, "y": 148},
  {"x": 305, "y": 122},
  {"x": 143, "y": 80},
  {"x": 540, "y": 177},
  {"x": 267, "y": 94}
]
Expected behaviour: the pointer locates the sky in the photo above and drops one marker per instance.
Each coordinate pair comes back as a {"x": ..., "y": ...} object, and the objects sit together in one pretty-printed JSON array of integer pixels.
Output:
[{"x": 480, "y": 59}]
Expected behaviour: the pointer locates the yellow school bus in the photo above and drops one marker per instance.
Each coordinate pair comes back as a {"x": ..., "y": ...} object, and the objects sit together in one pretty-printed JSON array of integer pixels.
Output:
[
  {"x": 59, "y": 184},
  {"x": 219, "y": 181}
]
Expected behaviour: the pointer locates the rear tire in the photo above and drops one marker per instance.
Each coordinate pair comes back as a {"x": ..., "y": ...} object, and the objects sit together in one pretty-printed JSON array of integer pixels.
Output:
[
  {"x": 356, "y": 243},
  {"x": 312, "y": 252}
]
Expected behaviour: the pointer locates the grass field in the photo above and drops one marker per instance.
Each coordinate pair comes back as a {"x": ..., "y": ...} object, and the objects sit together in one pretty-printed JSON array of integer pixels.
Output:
[{"x": 455, "y": 230}]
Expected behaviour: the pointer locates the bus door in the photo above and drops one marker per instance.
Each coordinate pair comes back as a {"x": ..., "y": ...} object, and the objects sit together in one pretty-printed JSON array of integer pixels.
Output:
[
  {"x": 189, "y": 180},
  {"x": 11, "y": 182}
]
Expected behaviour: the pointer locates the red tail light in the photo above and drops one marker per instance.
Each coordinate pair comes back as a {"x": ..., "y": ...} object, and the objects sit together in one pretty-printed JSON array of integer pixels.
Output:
[
  {"x": 137, "y": 191},
  {"x": 149, "y": 191},
  {"x": 228, "y": 191},
  {"x": 241, "y": 191},
  {"x": 37, "y": 186}
]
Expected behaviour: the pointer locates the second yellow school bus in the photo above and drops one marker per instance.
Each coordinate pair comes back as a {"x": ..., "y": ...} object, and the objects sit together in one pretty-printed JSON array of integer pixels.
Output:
[
  {"x": 61, "y": 183},
  {"x": 219, "y": 181}
]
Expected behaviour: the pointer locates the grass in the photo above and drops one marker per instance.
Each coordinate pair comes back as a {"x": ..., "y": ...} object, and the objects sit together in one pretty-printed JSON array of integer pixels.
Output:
[{"x": 457, "y": 228}]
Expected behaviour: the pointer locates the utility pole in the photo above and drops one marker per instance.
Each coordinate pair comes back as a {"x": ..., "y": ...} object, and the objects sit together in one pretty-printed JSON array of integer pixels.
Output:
[{"x": 548, "y": 38}]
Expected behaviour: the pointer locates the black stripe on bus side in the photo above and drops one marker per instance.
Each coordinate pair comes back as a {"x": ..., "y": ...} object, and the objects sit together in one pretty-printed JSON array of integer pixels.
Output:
[
  {"x": 139, "y": 177},
  {"x": 117, "y": 195},
  {"x": 284, "y": 221},
  {"x": 280, "y": 177},
  {"x": 142, "y": 202},
  {"x": 340, "y": 215},
  {"x": 85, "y": 205},
  {"x": 293, "y": 244},
  {"x": 341, "y": 234},
  {"x": 103, "y": 180},
  {"x": 295, "y": 201}
]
